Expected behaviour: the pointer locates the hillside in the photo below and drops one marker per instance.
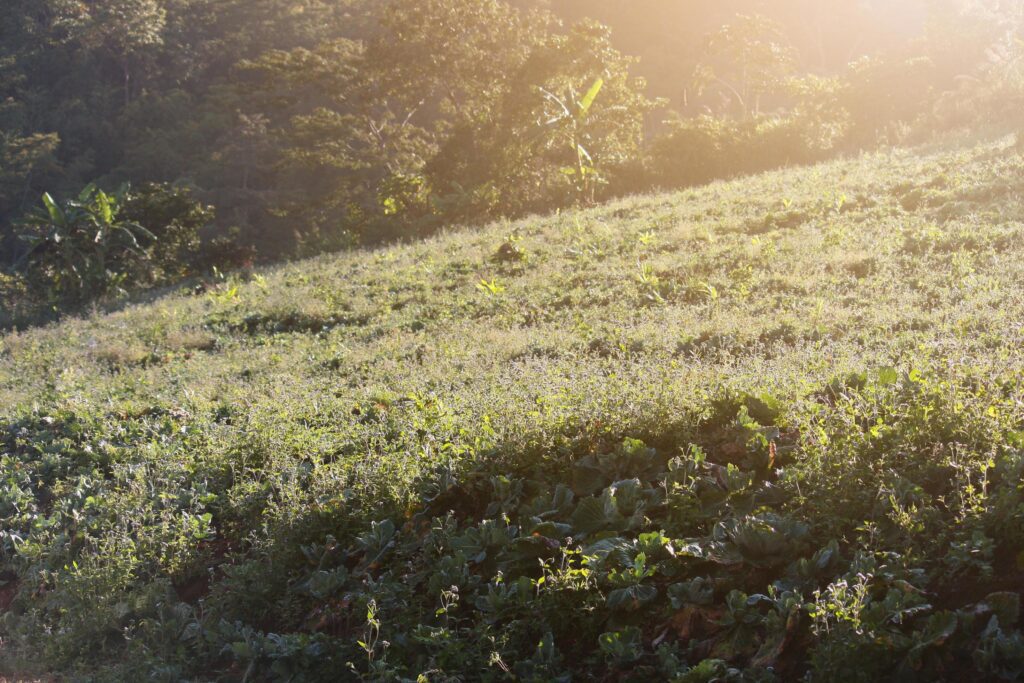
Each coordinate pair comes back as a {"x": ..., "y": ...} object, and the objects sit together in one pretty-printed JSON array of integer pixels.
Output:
[{"x": 761, "y": 430}]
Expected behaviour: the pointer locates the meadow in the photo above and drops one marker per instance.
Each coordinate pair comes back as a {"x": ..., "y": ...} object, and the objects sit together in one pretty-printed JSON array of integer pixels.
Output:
[{"x": 766, "y": 429}]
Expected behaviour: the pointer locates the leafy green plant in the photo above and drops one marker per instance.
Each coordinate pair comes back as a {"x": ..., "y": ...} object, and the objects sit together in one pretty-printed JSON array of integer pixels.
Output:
[
  {"x": 621, "y": 648},
  {"x": 99, "y": 244},
  {"x": 652, "y": 287},
  {"x": 84, "y": 248},
  {"x": 565, "y": 117},
  {"x": 490, "y": 287},
  {"x": 176, "y": 220}
]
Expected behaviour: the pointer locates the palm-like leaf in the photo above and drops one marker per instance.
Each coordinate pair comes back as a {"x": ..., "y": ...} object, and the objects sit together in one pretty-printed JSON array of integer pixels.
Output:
[
  {"x": 588, "y": 100},
  {"x": 83, "y": 246},
  {"x": 54, "y": 211}
]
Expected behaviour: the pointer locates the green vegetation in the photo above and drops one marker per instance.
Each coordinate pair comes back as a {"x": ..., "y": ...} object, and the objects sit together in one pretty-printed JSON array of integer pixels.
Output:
[
  {"x": 313, "y": 125},
  {"x": 758, "y": 430},
  {"x": 98, "y": 242},
  {"x": 762, "y": 430}
]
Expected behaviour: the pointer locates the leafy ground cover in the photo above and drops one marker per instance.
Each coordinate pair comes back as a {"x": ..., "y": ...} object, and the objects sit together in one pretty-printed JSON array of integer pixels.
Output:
[{"x": 769, "y": 429}]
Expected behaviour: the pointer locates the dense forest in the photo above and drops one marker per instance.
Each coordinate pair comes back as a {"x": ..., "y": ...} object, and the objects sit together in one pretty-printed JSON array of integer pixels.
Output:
[{"x": 231, "y": 131}]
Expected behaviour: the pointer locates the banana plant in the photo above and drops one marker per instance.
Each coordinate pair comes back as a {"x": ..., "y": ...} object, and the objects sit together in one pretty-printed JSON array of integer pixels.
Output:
[
  {"x": 567, "y": 116},
  {"x": 83, "y": 248}
]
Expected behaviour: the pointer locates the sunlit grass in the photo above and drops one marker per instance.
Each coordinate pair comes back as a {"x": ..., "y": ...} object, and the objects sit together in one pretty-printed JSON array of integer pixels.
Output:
[{"x": 211, "y": 445}]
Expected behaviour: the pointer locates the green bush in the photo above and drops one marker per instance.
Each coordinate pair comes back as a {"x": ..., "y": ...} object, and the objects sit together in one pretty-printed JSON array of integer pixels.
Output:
[
  {"x": 100, "y": 244},
  {"x": 175, "y": 219},
  {"x": 702, "y": 149},
  {"x": 884, "y": 96},
  {"x": 15, "y": 300},
  {"x": 82, "y": 249}
]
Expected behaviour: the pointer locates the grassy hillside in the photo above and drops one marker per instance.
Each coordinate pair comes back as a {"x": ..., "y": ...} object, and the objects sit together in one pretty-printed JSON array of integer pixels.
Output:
[{"x": 761, "y": 430}]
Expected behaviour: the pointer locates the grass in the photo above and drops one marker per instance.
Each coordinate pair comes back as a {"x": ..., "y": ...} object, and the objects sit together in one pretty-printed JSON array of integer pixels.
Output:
[{"x": 768, "y": 429}]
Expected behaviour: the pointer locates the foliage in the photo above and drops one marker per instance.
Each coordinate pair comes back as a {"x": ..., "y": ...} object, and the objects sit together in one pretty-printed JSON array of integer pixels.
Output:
[
  {"x": 747, "y": 59},
  {"x": 100, "y": 243},
  {"x": 315, "y": 126},
  {"x": 697, "y": 151},
  {"x": 25, "y": 163},
  {"x": 84, "y": 247},
  {"x": 377, "y": 141},
  {"x": 722, "y": 434},
  {"x": 175, "y": 220},
  {"x": 958, "y": 75}
]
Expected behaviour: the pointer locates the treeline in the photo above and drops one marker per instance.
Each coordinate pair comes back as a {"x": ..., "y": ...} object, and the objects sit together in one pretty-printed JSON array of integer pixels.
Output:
[
  {"x": 289, "y": 127},
  {"x": 669, "y": 36}
]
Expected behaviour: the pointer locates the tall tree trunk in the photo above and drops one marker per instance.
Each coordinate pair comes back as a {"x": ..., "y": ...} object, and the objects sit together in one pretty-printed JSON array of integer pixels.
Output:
[{"x": 126, "y": 70}]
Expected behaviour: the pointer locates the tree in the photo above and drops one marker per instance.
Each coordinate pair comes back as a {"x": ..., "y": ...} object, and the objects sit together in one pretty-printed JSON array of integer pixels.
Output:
[
  {"x": 83, "y": 248},
  {"x": 337, "y": 140},
  {"x": 745, "y": 60},
  {"x": 121, "y": 29},
  {"x": 26, "y": 162},
  {"x": 458, "y": 110},
  {"x": 568, "y": 121}
]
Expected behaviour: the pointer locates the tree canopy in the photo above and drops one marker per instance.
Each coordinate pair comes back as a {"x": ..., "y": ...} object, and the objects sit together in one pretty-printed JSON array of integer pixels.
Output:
[{"x": 318, "y": 124}]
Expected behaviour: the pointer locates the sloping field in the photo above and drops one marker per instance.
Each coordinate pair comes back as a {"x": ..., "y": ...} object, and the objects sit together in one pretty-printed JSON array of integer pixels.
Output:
[{"x": 768, "y": 429}]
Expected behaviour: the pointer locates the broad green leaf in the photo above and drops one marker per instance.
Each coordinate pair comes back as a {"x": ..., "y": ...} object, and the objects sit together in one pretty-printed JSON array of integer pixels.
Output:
[
  {"x": 631, "y": 598},
  {"x": 588, "y": 99},
  {"x": 56, "y": 214},
  {"x": 939, "y": 628},
  {"x": 105, "y": 210},
  {"x": 888, "y": 376},
  {"x": 1006, "y": 606},
  {"x": 595, "y": 514},
  {"x": 616, "y": 551},
  {"x": 698, "y": 591}
]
